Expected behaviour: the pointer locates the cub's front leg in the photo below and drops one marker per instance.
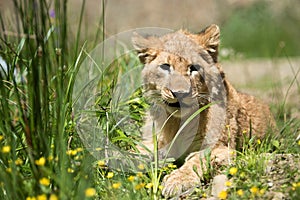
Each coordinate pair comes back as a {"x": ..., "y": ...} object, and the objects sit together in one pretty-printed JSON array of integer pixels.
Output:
[{"x": 186, "y": 178}]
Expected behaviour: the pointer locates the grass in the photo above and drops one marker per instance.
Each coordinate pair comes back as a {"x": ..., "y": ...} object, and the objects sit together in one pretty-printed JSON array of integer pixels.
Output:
[{"x": 42, "y": 152}]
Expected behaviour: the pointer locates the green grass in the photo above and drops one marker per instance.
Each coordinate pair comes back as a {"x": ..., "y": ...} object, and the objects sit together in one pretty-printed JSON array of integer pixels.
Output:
[{"x": 41, "y": 153}]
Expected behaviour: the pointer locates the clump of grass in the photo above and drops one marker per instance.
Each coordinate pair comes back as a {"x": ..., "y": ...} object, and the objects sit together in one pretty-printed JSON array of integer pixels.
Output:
[{"x": 41, "y": 156}]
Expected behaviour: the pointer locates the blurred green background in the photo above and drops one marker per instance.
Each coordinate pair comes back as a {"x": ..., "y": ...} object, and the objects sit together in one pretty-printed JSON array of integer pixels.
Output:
[{"x": 252, "y": 28}]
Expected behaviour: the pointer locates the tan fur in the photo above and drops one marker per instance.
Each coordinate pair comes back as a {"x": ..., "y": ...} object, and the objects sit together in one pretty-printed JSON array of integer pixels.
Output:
[{"x": 181, "y": 75}]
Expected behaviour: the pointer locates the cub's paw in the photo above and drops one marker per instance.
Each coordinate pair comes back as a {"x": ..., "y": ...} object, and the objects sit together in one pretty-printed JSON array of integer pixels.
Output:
[{"x": 178, "y": 182}]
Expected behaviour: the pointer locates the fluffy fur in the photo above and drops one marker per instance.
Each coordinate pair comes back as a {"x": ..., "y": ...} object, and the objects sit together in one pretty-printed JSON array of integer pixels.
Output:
[{"x": 182, "y": 75}]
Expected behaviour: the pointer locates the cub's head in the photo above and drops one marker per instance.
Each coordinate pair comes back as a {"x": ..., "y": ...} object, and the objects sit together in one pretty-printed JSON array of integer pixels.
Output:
[{"x": 176, "y": 68}]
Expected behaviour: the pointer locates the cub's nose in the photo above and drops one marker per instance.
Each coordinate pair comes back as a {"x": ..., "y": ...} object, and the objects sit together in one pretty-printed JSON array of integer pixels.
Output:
[{"x": 180, "y": 94}]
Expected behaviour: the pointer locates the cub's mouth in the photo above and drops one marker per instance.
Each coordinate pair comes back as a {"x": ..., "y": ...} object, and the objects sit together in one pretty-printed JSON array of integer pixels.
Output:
[
  {"x": 174, "y": 99},
  {"x": 173, "y": 105}
]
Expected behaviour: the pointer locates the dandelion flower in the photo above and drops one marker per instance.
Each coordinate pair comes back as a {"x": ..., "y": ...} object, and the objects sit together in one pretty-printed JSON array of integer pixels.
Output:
[
  {"x": 101, "y": 163},
  {"x": 6, "y": 149},
  {"x": 233, "y": 171},
  {"x": 18, "y": 161},
  {"x": 90, "y": 192},
  {"x": 71, "y": 152},
  {"x": 262, "y": 191},
  {"x": 110, "y": 175},
  {"x": 50, "y": 158},
  {"x": 172, "y": 166},
  {"x": 41, "y": 161},
  {"x": 42, "y": 197},
  {"x": 139, "y": 174},
  {"x": 228, "y": 183},
  {"x": 116, "y": 185},
  {"x": 70, "y": 170},
  {"x": 223, "y": 194},
  {"x": 79, "y": 149},
  {"x": 254, "y": 190},
  {"x": 53, "y": 197},
  {"x": 30, "y": 198},
  {"x": 240, "y": 192},
  {"x": 139, "y": 186},
  {"x": 141, "y": 166},
  {"x": 149, "y": 185},
  {"x": 130, "y": 178},
  {"x": 258, "y": 141},
  {"x": 242, "y": 175},
  {"x": 44, "y": 181}
]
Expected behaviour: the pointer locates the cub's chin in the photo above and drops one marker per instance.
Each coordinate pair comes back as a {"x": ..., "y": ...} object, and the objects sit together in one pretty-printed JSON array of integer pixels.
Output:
[{"x": 181, "y": 110}]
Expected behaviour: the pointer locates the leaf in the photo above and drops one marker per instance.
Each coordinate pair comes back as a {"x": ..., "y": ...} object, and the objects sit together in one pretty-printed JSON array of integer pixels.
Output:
[{"x": 275, "y": 143}]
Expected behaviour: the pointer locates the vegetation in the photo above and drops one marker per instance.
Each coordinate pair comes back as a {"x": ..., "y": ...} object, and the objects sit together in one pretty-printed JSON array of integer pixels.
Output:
[{"x": 42, "y": 154}]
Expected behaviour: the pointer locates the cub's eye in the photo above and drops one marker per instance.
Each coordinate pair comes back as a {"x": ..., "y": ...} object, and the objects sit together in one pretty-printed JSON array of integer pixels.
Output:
[
  {"x": 194, "y": 68},
  {"x": 165, "y": 66}
]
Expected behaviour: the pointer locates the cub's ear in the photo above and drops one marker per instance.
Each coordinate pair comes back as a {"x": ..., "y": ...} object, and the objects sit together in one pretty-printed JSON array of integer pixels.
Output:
[
  {"x": 147, "y": 48},
  {"x": 209, "y": 38}
]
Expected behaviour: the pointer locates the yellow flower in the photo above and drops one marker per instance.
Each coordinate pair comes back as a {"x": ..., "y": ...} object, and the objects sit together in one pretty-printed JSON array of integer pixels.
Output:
[
  {"x": 141, "y": 166},
  {"x": 262, "y": 191},
  {"x": 204, "y": 195},
  {"x": 1, "y": 137},
  {"x": 139, "y": 174},
  {"x": 41, "y": 161},
  {"x": 228, "y": 183},
  {"x": 299, "y": 142},
  {"x": 116, "y": 185},
  {"x": 98, "y": 149},
  {"x": 101, "y": 163},
  {"x": 18, "y": 161},
  {"x": 53, "y": 197},
  {"x": 70, "y": 170},
  {"x": 30, "y": 198},
  {"x": 90, "y": 192},
  {"x": 244, "y": 131},
  {"x": 71, "y": 152},
  {"x": 44, "y": 181},
  {"x": 160, "y": 187},
  {"x": 8, "y": 170},
  {"x": 254, "y": 190},
  {"x": 79, "y": 149},
  {"x": 110, "y": 175},
  {"x": 149, "y": 185},
  {"x": 240, "y": 192},
  {"x": 139, "y": 186},
  {"x": 233, "y": 171},
  {"x": 242, "y": 175},
  {"x": 130, "y": 178},
  {"x": 50, "y": 158},
  {"x": 223, "y": 194},
  {"x": 6, "y": 149},
  {"x": 172, "y": 166},
  {"x": 258, "y": 141},
  {"x": 42, "y": 197}
]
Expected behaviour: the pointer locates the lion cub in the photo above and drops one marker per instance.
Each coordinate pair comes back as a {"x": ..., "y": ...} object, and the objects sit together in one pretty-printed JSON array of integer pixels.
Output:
[{"x": 194, "y": 107}]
